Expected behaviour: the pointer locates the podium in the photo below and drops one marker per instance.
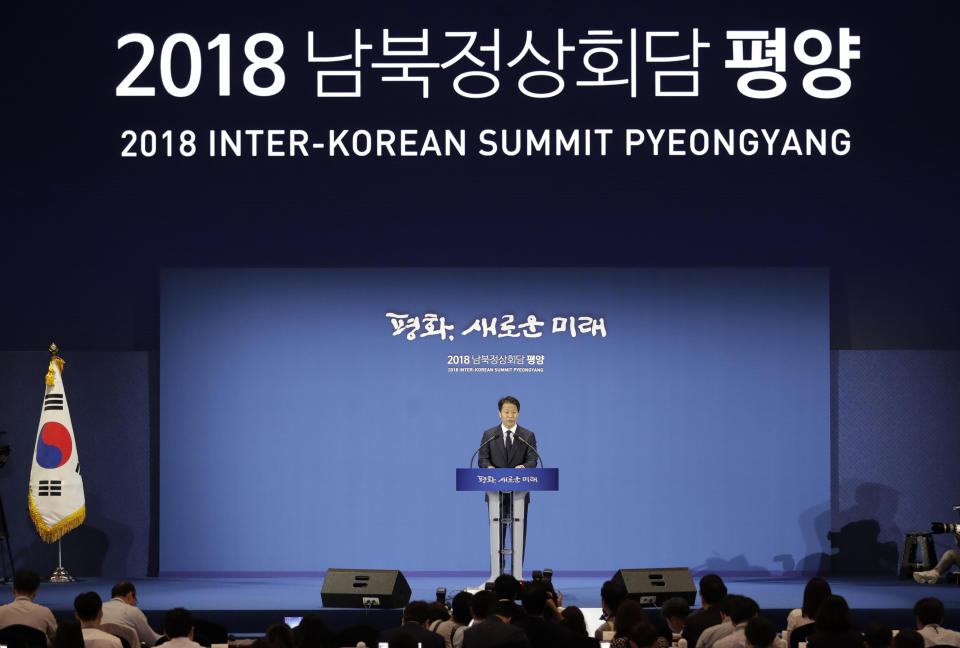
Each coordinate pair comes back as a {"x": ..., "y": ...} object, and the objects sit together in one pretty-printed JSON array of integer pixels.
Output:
[{"x": 507, "y": 490}]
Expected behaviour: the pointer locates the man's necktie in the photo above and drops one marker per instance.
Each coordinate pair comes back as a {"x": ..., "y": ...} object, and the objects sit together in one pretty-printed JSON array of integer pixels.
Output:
[{"x": 509, "y": 442}]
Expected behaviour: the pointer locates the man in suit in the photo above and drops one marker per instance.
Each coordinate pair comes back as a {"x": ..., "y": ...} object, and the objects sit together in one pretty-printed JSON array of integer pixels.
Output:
[
  {"x": 496, "y": 631},
  {"x": 416, "y": 619},
  {"x": 507, "y": 446}
]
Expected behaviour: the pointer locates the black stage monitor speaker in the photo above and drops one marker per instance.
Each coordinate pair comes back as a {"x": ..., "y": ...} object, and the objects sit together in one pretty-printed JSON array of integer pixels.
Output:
[
  {"x": 654, "y": 586},
  {"x": 364, "y": 588}
]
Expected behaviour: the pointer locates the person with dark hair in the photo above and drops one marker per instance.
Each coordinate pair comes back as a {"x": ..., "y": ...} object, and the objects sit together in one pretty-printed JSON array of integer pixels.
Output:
[
  {"x": 507, "y": 588},
  {"x": 278, "y": 635},
  {"x": 674, "y": 613},
  {"x": 541, "y": 632},
  {"x": 630, "y": 613},
  {"x": 743, "y": 610},
  {"x": 760, "y": 633},
  {"x": 178, "y": 626},
  {"x": 416, "y": 619},
  {"x": 311, "y": 632},
  {"x": 877, "y": 635},
  {"x": 69, "y": 635},
  {"x": 712, "y": 590},
  {"x": 834, "y": 626},
  {"x": 908, "y": 638},
  {"x": 572, "y": 617},
  {"x": 436, "y": 614},
  {"x": 122, "y": 609},
  {"x": 496, "y": 631},
  {"x": 482, "y": 604},
  {"x": 88, "y": 608},
  {"x": 715, "y": 632},
  {"x": 507, "y": 446},
  {"x": 642, "y": 635},
  {"x": 929, "y": 615},
  {"x": 612, "y": 594},
  {"x": 816, "y": 590},
  {"x": 22, "y": 610},
  {"x": 460, "y": 606}
]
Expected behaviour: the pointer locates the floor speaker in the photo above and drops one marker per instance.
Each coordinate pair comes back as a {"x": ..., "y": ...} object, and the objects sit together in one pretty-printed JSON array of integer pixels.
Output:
[
  {"x": 654, "y": 586},
  {"x": 364, "y": 588}
]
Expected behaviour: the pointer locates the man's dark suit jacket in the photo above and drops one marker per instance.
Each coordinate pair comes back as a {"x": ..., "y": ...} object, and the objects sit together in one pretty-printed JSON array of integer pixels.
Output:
[
  {"x": 426, "y": 638},
  {"x": 494, "y": 633},
  {"x": 494, "y": 454},
  {"x": 543, "y": 633}
]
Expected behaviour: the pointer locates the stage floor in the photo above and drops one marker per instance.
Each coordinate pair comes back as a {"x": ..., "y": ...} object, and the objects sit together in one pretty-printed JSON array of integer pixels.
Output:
[{"x": 246, "y": 605}]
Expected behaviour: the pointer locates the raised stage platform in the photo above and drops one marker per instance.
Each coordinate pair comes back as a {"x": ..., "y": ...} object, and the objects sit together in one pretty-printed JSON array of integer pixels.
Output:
[{"x": 248, "y": 604}]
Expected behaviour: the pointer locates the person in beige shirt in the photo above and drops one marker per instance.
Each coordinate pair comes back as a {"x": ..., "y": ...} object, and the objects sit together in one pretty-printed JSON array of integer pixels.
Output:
[
  {"x": 23, "y": 611},
  {"x": 122, "y": 609}
]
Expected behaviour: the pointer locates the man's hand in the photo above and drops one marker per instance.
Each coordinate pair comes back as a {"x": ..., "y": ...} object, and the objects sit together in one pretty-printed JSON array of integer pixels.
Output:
[{"x": 520, "y": 466}]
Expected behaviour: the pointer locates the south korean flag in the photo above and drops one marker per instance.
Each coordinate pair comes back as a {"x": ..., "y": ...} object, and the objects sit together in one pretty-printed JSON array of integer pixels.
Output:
[{"x": 55, "y": 497}]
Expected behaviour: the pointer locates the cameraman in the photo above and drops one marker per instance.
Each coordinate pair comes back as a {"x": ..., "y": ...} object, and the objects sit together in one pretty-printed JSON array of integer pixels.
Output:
[{"x": 948, "y": 560}]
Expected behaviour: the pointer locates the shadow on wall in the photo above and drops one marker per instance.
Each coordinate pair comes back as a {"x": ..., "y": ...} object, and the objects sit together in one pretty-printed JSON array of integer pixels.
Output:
[
  {"x": 868, "y": 540},
  {"x": 99, "y": 547}
]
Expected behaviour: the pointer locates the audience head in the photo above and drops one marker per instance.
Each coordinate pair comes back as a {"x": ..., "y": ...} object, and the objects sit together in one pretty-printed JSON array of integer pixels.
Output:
[
  {"x": 507, "y": 587},
  {"x": 279, "y": 635},
  {"x": 572, "y": 617},
  {"x": 178, "y": 622},
  {"x": 505, "y": 609},
  {"x": 928, "y": 610},
  {"x": 88, "y": 607},
  {"x": 675, "y": 612},
  {"x": 437, "y": 612},
  {"x": 124, "y": 589},
  {"x": 908, "y": 638},
  {"x": 25, "y": 582},
  {"x": 712, "y": 589},
  {"x": 612, "y": 594},
  {"x": 69, "y": 634},
  {"x": 760, "y": 632},
  {"x": 642, "y": 635},
  {"x": 877, "y": 635},
  {"x": 629, "y": 614},
  {"x": 816, "y": 590},
  {"x": 417, "y": 612},
  {"x": 533, "y": 596},
  {"x": 461, "y": 608},
  {"x": 834, "y": 615},
  {"x": 741, "y": 608},
  {"x": 482, "y": 603},
  {"x": 312, "y": 632}
]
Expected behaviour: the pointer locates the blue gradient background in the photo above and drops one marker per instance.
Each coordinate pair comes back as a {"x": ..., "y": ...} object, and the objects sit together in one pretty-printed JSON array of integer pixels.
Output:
[{"x": 297, "y": 434}]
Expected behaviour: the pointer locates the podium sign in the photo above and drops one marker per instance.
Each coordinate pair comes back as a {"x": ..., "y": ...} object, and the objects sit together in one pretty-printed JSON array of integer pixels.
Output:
[{"x": 508, "y": 479}]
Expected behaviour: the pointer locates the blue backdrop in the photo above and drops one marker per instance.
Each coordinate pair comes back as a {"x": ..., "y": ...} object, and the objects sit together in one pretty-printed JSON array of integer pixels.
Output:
[{"x": 298, "y": 433}]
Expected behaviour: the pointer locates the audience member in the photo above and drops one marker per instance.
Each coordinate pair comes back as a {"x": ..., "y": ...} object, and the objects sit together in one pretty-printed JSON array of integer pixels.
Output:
[
  {"x": 642, "y": 635},
  {"x": 541, "y": 632},
  {"x": 816, "y": 590},
  {"x": 950, "y": 558},
  {"x": 877, "y": 635},
  {"x": 69, "y": 634},
  {"x": 278, "y": 635},
  {"x": 674, "y": 613},
  {"x": 743, "y": 610},
  {"x": 711, "y": 634},
  {"x": 612, "y": 594},
  {"x": 507, "y": 588},
  {"x": 760, "y": 633},
  {"x": 459, "y": 619},
  {"x": 437, "y": 613},
  {"x": 416, "y": 618},
  {"x": 496, "y": 630},
  {"x": 834, "y": 626},
  {"x": 22, "y": 610},
  {"x": 403, "y": 639},
  {"x": 630, "y": 613},
  {"x": 178, "y": 626},
  {"x": 312, "y": 632},
  {"x": 88, "y": 609},
  {"x": 712, "y": 590},
  {"x": 122, "y": 609},
  {"x": 908, "y": 638},
  {"x": 929, "y": 615}
]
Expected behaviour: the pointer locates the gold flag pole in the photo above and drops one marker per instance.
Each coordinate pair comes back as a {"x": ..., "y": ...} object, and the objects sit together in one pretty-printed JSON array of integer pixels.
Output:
[{"x": 60, "y": 574}]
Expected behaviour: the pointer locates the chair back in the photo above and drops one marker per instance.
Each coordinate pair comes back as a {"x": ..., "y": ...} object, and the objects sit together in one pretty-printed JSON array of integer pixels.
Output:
[
  {"x": 23, "y": 636},
  {"x": 127, "y": 635}
]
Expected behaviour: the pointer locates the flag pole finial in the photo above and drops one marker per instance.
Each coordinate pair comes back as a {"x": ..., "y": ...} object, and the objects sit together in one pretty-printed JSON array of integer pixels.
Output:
[
  {"x": 54, "y": 360},
  {"x": 53, "y": 349}
]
